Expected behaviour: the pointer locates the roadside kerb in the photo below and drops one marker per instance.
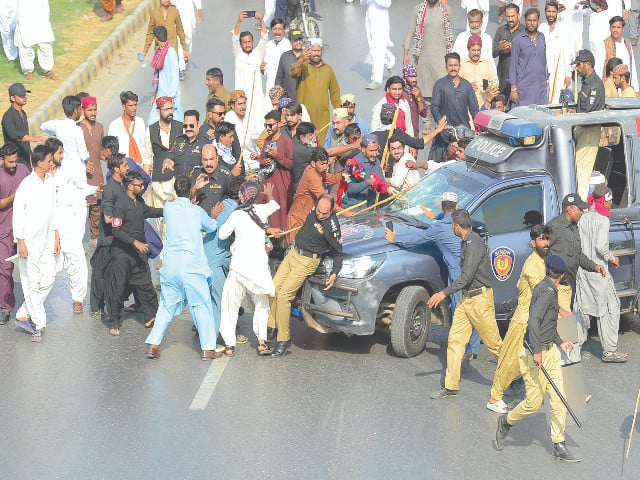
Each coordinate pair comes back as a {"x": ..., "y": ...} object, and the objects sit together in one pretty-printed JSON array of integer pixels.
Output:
[{"x": 98, "y": 60}]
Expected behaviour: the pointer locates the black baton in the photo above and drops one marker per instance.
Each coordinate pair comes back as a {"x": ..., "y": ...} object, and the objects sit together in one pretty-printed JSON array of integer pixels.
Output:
[{"x": 555, "y": 387}]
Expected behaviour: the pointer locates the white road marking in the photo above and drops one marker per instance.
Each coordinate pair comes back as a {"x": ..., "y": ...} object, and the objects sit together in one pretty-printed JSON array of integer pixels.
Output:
[{"x": 208, "y": 385}]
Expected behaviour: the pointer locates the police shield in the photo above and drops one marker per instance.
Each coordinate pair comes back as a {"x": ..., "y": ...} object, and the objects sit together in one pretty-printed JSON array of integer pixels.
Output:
[{"x": 572, "y": 375}]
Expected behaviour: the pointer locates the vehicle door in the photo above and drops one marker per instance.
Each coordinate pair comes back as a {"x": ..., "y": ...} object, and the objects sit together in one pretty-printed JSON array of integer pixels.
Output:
[{"x": 506, "y": 213}]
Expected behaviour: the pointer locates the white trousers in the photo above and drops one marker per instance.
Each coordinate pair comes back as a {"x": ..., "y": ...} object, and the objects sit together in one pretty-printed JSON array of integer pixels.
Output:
[
  {"x": 37, "y": 274},
  {"x": 72, "y": 258},
  {"x": 269, "y": 11},
  {"x": 7, "y": 31},
  {"x": 159, "y": 194},
  {"x": 377, "y": 25},
  {"x": 233, "y": 293},
  {"x": 27, "y": 55}
]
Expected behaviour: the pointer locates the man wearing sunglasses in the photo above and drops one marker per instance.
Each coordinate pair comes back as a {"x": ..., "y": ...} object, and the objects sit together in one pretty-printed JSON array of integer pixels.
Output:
[
  {"x": 216, "y": 112},
  {"x": 186, "y": 150}
]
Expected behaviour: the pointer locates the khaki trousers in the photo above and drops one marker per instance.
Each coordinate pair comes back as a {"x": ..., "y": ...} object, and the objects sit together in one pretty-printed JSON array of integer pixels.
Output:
[
  {"x": 537, "y": 385},
  {"x": 587, "y": 142},
  {"x": 291, "y": 274},
  {"x": 472, "y": 312},
  {"x": 508, "y": 360}
]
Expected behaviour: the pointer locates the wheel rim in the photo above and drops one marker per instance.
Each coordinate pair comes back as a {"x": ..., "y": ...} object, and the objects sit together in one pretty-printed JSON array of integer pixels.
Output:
[{"x": 418, "y": 322}]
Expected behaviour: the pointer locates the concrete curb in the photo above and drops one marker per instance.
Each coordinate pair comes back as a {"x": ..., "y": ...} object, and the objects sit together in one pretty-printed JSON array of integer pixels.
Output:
[{"x": 98, "y": 60}]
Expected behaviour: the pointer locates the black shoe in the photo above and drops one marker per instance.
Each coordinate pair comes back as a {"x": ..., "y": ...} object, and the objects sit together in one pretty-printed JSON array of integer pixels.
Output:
[
  {"x": 281, "y": 349},
  {"x": 4, "y": 318},
  {"x": 502, "y": 431},
  {"x": 561, "y": 452},
  {"x": 444, "y": 393},
  {"x": 271, "y": 333}
]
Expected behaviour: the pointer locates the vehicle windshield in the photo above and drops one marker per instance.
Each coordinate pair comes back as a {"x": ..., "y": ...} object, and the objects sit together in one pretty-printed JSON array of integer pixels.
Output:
[{"x": 429, "y": 191}]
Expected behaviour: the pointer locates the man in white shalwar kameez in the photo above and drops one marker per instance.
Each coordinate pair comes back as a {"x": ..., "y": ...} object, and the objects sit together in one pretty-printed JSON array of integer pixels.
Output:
[
  {"x": 599, "y": 26},
  {"x": 33, "y": 29},
  {"x": 596, "y": 294},
  {"x": 475, "y": 22},
  {"x": 36, "y": 233},
  {"x": 559, "y": 52},
  {"x": 8, "y": 9},
  {"x": 188, "y": 10},
  {"x": 130, "y": 126},
  {"x": 71, "y": 212},
  {"x": 249, "y": 272},
  {"x": 377, "y": 24},
  {"x": 248, "y": 61},
  {"x": 483, "y": 6},
  {"x": 620, "y": 48},
  {"x": 274, "y": 49},
  {"x": 572, "y": 20}
]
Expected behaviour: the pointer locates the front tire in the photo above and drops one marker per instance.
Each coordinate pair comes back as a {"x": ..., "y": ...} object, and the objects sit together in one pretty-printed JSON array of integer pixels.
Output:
[{"x": 411, "y": 321}]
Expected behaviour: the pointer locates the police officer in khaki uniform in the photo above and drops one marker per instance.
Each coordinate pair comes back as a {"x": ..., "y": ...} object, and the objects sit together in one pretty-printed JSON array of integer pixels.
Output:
[
  {"x": 475, "y": 310},
  {"x": 545, "y": 344},
  {"x": 533, "y": 272}
]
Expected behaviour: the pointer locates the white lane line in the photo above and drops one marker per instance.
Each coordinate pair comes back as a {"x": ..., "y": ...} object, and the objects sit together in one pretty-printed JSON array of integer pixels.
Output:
[{"x": 208, "y": 385}]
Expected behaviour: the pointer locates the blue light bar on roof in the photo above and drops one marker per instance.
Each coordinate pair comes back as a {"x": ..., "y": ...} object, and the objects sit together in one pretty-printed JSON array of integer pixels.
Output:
[{"x": 517, "y": 130}]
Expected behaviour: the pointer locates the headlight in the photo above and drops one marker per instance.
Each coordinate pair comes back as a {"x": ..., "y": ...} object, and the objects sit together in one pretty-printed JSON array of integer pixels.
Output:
[{"x": 357, "y": 267}]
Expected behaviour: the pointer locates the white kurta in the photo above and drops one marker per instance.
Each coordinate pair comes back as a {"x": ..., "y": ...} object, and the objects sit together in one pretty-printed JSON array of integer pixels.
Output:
[
  {"x": 623, "y": 54},
  {"x": 376, "y": 123},
  {"x": 599, "y": 26},
  {"x": 8, "y": 20},
  {"x": 559, "y": 56},
  {"x": 75, "y": 148},
  {"x": 483, "y": 6},
  {"x": 573, "y": 22},
  {"x": 247, "y": 133},
  {"x": 377, "y": 27},
  {"x": 34, "y": 221},
  {"x": 404, "y": 177},
  {"x": 247, "y": 70},
  {"x": 460, "y": 45},
  {"x": 33, "y": 22},
  {"x": 272, "y": 54},
  {"x": 116, "y": 129}
]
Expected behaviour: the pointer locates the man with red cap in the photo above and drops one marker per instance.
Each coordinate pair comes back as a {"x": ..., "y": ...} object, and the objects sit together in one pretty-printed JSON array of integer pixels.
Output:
[
  {"x": 93, "y": 133},
  {"x": 480, "y": 71}
]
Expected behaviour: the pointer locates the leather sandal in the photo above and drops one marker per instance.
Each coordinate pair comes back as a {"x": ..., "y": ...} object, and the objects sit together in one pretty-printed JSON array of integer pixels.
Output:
[{"x": 229, "y": 350}]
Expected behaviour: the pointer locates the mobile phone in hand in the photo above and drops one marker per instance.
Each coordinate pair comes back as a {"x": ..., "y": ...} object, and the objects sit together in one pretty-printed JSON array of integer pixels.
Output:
[
  {"x": 389, "y": 225},
  {"x": 485, "y": 84},
  {"x": 250, "y": 13}
]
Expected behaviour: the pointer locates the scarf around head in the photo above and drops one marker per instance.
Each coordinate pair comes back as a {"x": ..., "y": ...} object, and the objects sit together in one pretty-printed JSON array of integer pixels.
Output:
[
  {"x": 598, "y": 205},
  {"x": 157, "y": 62},
  {"x": 247, "y": 195},
  {"x": 419, "y": 32}
]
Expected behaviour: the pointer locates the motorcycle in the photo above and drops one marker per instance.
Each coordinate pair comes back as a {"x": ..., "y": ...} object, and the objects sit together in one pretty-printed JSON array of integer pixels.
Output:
[{"x": 301, "y": 17}]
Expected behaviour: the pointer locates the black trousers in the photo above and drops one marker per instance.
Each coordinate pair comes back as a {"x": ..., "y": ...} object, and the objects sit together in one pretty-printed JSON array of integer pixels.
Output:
[
  {"x": 99, "y": 261},
  {"x": 124, "y": 273}
]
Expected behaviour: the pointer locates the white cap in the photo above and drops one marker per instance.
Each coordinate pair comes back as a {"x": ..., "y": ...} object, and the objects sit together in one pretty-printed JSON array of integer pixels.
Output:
[
  {"x": 597, "y": 178},
  {"x": 449, "y": 197}
]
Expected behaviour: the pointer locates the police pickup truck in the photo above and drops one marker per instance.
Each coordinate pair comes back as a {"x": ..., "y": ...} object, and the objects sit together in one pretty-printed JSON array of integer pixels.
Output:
[{"x": 517, "y": 163}]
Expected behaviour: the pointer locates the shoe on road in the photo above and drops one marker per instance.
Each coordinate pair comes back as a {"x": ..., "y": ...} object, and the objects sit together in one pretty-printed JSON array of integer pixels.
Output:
[
  {"x": 502, "y": 431},
  {"x": 498, "y": 407},
  {"x": 444, "y": 393},
  {"x": 4, "y": 318},
  {"x": 561, "y": 452},
  {"x": 210, "y": 355},
  {"x": 25, "y": 325},
  {"x": 281, "y": 349},
  {"x": 153, "y": 352}
]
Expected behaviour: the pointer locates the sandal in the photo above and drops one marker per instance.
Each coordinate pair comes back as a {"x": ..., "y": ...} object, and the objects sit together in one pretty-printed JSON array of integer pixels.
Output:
[
  {"x": 614, "y": 357},
  {"x": 229, "y": 350},
  {"x": 264, "y": 349},
  {"x": 498, "y": 407}
]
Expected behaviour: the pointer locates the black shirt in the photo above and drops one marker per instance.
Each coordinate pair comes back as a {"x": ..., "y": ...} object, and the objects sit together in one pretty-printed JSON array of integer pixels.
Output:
[
  {"x": 213, "y": 192},
  {"x": 475, "y": 265},
  {"x": 543, "y": 316},
  {"x": 128, "y": 223},
  {"x": 591, "y": 95},
  {"x": 14, "y": 128},
  {"x": 187, "y": 155},
  {"x": 565, "y": 241},
  {"x": 317, "y": 236},
  {"x": 504, "y": 56},
  {"x": 301, "y": 158},
  {"x": 112, "y": 192}
]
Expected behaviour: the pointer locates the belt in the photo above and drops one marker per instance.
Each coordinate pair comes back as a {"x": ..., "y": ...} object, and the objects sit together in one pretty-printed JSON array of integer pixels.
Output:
[
  {"x": 307, "y": 253},
  {"x": 475, "y": 292},
  {"x": 547, "y": 346}
]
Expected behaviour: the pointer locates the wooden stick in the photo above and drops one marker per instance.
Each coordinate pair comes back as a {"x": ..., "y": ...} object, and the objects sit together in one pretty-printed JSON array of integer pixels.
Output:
[
  {"x": 326, "y": 126},
  {"x": 633, "y": 425},
  {"x": 359, "y": 204},
  {"x": 244, "y": 140},
  {"x": 388, "y": 199},
  {"x": 385, "y": 153},
  {"x": 555, "y": 81}
]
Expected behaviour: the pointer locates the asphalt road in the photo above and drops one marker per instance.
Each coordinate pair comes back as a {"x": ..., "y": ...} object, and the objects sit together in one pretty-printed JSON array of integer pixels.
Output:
[{"x": 85, "y": 405}]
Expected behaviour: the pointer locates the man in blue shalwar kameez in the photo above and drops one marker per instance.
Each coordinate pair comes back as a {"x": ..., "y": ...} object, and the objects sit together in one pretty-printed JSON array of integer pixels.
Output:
[{"x": 185, "y": 275}]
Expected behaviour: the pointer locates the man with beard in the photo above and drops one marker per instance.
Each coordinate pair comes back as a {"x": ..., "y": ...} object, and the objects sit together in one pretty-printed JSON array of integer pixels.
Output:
[
  {"x": 364, "y": 189},
  {"x": 304, "y": 142},
  {"x": 287, "y": 59},
  {"x": 216, "y": 112},
  {"x": 616, "y": 46},
  {"x": 474, "y": 27},
  {"x": 11, "y": 174},
  {"x": 70, "y": 216},
  {"x": 317, "y": 86},
  {"x": 502, "y": 45},
  {"x": 533, "y": 272},
  {"x": 621, "y": 78},
  {"x": 248, "y": 60},
  {"x": 413, "y": 94},
  {"x": 453, "y": 98},
  {"x": 161, "y": 135},
  {"x": 377, "y": 26},
  {"x": 93, "y": 132},
  {"x": 186, "y": 149},
  {"x": 528, "y": 73},
  {"x": 293, "y": 118},
  {"x": 430, "y": 36},
  {"x": 244, "y": 126},
  {"x": 339, "y": 123},
  {"x": 480, "y": 71},
  {"x": 394, "y": 95},
  {"x": 559, "y": 52},
  {"x": 273, "y": 51}
]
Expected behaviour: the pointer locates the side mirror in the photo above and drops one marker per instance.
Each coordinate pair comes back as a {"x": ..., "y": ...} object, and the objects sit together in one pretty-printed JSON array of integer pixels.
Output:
[{"x": 479, "y": 227}]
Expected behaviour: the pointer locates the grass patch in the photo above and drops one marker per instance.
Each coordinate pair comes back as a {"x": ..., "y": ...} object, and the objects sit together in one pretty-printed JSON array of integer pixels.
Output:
[{"x": 78, "y": 32}]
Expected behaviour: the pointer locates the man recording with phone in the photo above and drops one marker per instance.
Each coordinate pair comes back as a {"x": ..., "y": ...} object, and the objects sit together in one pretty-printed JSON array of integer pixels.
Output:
[{"x": 248, "y": 59}]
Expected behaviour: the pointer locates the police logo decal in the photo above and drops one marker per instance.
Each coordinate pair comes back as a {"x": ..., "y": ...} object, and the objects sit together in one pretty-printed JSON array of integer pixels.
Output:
[{"x": 502, "y": 261}]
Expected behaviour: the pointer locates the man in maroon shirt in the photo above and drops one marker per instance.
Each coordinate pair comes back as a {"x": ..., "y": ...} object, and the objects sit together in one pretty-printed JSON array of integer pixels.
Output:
[{"x": 11, "y": 174}]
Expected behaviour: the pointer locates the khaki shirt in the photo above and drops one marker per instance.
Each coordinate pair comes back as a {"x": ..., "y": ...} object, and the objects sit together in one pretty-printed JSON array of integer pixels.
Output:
[{"x": 485, "y": 69}]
